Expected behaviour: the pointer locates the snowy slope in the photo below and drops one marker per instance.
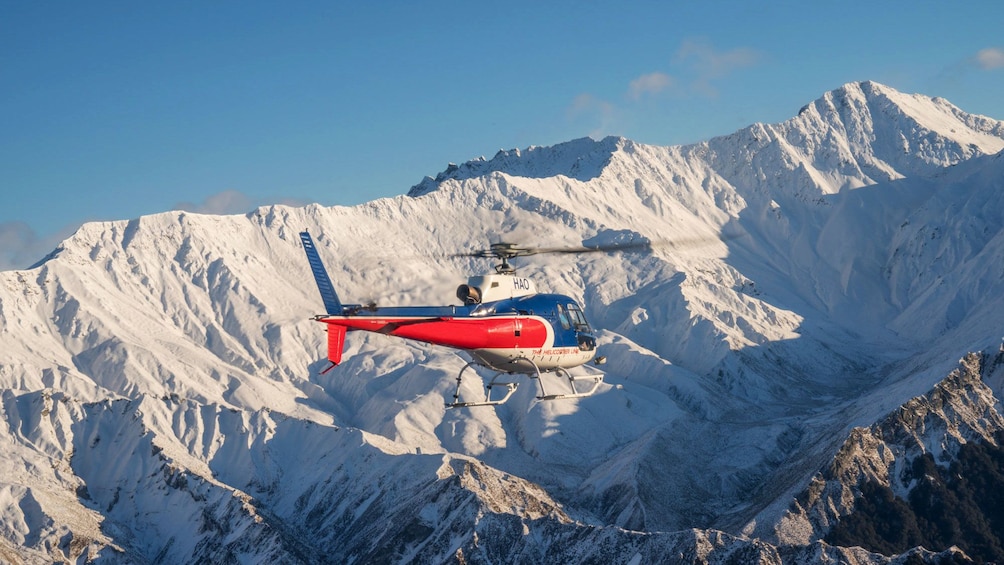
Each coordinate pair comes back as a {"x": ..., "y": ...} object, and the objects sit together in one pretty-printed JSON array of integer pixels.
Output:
[{"x": 811, "y": 276}]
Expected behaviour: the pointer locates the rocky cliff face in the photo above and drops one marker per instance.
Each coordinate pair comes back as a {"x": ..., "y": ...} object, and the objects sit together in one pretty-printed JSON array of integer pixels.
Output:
[{"x": 877, "y": 488}]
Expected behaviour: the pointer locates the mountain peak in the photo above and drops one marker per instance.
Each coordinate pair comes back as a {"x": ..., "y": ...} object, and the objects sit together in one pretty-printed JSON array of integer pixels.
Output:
[
  {"x": 581, "y": 159},
  {"x": 858, "y": 134},
  {"x": 895, "y": 123}
]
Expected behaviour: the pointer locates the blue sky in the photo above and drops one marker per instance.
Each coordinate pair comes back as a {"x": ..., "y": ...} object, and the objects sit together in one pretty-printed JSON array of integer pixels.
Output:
[{"x": 113, "y": 110}]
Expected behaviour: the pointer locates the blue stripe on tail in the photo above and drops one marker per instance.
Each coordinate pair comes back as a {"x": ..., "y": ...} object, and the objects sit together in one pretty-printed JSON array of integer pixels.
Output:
[{"x": 331, "y": 303}]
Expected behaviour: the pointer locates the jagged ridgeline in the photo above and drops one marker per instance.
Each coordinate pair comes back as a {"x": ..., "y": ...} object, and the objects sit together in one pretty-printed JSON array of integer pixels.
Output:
[
  {"x": 958, "y": 505},
  {"x": 789, "y": 391},
  {"x": 930, "y": 474}
]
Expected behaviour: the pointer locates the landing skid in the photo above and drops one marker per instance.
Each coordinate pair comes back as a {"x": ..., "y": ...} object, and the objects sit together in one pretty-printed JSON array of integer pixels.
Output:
[
  {"x": 597, "y": 379},
  {"x": 510, "y": 387},
  {"x": 488, "y": 401}
]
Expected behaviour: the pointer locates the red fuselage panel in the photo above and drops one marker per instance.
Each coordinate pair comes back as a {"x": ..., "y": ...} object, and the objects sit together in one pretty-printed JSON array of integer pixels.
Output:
[{"x": 495, "y": 332}]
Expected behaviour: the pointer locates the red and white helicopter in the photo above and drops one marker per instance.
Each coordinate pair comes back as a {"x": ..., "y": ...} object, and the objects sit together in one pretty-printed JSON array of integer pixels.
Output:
[{"x": 503, "y": 323}]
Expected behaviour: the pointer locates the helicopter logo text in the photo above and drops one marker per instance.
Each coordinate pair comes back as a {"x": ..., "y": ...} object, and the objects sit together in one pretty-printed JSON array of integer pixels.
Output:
[{"x": 555, "y": 351}]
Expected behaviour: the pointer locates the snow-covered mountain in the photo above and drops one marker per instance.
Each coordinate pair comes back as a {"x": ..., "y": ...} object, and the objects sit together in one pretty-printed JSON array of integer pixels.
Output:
[{"x": 163, "y": 399}]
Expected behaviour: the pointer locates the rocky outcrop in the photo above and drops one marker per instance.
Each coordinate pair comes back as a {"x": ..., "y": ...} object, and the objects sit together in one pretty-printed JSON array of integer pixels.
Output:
[{"x": 887, "y": 479}]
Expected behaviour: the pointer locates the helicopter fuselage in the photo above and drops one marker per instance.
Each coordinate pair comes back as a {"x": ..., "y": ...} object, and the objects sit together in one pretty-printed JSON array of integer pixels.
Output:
[
  {"x": 503, "y": 323},
  {"x": 515, "y": 335}
]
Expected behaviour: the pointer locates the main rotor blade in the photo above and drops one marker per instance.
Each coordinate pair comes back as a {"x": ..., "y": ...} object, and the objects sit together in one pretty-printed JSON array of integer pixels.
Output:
[
  {"x": 643, "y": 245},
  {"x": 605, "y": 248},
  {"x": 510, "y": 250},
  {"x": 498, "y": 250}
]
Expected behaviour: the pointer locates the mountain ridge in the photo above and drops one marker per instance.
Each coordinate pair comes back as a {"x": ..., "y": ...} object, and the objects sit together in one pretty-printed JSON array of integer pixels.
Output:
[{"x": 837, "y": 274}]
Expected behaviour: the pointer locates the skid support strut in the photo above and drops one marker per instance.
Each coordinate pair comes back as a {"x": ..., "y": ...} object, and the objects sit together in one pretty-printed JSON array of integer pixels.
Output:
[
  {"x": 510, "y": 387},
  {"x": 488, "y": 401},
  {"x": 597, "y": 379}
]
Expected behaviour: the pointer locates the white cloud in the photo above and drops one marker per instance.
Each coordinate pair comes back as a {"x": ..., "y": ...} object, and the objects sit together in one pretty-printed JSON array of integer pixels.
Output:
[
  {"x": 21, "y": 247},
  {"x": 699, "y": 60},
  {"x": 709, "y": 64},
  {"x": 713, "y": 63},
  {"x": 990, "y": 58},
  {"x": 652, "y": 83},
  {"x": 227, "y": 202},
  {"x": 588, "y": 104},
  {"x": 599, "y": 114},
  {"x": 15, "y": 237},
  {"x": 232, "y": 201}
]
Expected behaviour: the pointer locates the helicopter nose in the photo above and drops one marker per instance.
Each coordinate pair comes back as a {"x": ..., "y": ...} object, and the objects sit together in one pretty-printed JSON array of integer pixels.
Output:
[{"x": 586, "y": 342}]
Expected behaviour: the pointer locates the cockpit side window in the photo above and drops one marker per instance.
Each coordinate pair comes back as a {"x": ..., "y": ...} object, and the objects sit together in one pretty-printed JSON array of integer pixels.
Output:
[
  {"x": 578, "y": 318},
  {"x": 563, "y": 317}
]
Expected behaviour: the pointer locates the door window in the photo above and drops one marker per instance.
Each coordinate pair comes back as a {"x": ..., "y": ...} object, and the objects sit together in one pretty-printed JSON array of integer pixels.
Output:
[{"x": 563, "y": 317}]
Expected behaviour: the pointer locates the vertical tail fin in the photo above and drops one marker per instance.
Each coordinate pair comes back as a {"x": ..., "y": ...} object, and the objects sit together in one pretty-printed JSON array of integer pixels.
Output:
[
  {"x": 336, "y": 343},
  {"x": 331, "y": 303}
]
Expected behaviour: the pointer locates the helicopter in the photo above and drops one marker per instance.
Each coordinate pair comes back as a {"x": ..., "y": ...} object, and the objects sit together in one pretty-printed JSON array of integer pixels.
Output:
[{"x": 503, "y": 323}]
